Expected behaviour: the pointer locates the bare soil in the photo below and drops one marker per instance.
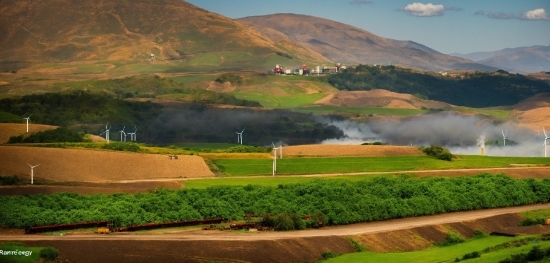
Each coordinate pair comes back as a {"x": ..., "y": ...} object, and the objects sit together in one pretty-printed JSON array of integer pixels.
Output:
[
  {"x": 350, "y": 150},
  {"x": 97, "y": 166},
  {"x": 379, "y": 98}
]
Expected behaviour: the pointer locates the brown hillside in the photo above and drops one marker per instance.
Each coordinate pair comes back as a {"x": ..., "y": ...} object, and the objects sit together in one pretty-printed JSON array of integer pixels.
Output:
[
  {"x": 8, "y": 130},
  {"x": 533, "y": 113},
  {"x": 97, "y": 166},
  {"x": 379, "y": 98},
  {"x": 347, "y": 44},
  {"x": 66, "y": 30}
]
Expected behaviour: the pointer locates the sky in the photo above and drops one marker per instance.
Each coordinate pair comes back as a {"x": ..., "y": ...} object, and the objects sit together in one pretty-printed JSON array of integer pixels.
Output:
[{"x": 448, "y": 26}]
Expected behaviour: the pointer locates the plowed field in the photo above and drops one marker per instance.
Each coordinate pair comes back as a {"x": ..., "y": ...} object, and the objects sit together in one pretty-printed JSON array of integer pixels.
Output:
[
  {"x": 350, "y": 150},
  {"x": 97, "y": 166}
]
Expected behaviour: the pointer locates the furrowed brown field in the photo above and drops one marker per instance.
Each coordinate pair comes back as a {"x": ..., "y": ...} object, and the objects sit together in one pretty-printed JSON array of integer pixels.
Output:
[
  {"x": 350, "y": 150},
  {"x": 97, "y": 166},
  {"x": 8, "y": 130}
]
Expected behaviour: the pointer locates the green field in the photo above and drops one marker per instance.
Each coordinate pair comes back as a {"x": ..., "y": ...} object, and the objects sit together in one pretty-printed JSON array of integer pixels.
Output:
[
  {"x": 444, "y": 254},
  {"x": 288, "y": 166},
  {"x": 33, "y": 256},
  {"x": 6, "y": 117}
]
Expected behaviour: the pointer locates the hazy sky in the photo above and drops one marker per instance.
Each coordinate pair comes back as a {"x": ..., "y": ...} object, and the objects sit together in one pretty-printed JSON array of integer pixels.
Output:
[{"x": 447, "y": 26}]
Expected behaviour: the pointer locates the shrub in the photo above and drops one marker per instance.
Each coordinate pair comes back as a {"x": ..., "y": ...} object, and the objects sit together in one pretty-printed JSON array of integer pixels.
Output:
[
  {"x": 329, "y": 254},
  {"x": 474, "y": 254},
  {"x": 532, "y": 221},
  {"x": 451, "y": 239},
  {"x": 49, "y": 253},
  {"x": 438, "y": 152},
  {"x": 10, "y": 180}
]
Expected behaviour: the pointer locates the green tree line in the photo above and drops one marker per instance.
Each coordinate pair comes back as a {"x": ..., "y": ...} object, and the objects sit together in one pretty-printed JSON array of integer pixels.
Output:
[
  {"x": 471, "y": 89},
  {"x": 335, "y": 202}
]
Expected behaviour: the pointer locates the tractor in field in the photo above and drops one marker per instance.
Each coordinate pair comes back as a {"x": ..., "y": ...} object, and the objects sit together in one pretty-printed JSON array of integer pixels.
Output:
[{"x": 106, "y": 230}]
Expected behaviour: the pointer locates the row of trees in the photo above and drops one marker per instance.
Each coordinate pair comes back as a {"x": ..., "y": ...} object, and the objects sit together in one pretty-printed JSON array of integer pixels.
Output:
[
  {"x": 474, "y": 90},
  {"x": 334, "y": 201},
  {"x": 60, "y": 134}
]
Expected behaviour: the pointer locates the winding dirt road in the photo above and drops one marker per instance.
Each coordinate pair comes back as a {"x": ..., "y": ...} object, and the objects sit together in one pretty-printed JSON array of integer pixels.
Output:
[{"x": 347, "y": 230}]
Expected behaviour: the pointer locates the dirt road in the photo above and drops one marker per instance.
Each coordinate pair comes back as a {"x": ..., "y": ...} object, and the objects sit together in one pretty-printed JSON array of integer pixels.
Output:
[{"x": 347, "y": 230}]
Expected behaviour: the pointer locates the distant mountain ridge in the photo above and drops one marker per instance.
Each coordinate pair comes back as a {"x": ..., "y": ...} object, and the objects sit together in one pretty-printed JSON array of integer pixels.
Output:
[
  {"x": 347, "y": 44},
  {"x": 520, "y": 59}
]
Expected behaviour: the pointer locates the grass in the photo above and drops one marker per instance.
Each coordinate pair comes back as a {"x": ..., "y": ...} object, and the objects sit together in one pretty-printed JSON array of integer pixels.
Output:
[
  {"x": 6, "y": 117},
  {"x": 269, "y": 100},
  {"x": 444, "y": 254},
  {"x": 13, "y": 246},
  {"x": 287, "y": 166},
  {"x": 535, "y": 214}
]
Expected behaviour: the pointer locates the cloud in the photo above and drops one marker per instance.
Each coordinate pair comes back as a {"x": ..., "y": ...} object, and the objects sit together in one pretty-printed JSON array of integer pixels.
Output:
[
  {"x": 427, "y": 10},
  {"x": 501, "y": 15},
  {"x": 452, "y": 8},
  {"x": 537, "y": 14},
  {"x": 479, "y": 13},
  {"x": 360, "y": 2}
]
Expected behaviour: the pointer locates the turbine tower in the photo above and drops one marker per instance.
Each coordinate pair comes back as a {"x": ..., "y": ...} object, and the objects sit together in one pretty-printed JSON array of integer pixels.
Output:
[
  {"x": 122, "y": 132},
  {"x": 28, "y": 118},
  {"x": 133, "y": 135},
  {"x": 545, "y": 139},
  {"x": 504, "y": 133},
  {"x": 274, "y": 159},
  {"x": 32, "y": 172},
  {"x": 106, "y": 132},
  {"x": 281, "y": 151},
  {"x": 240, "y": 137}
]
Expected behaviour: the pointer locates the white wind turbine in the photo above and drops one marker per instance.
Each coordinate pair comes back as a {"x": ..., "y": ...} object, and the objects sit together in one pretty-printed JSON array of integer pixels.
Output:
[
  {"x": 274, "y": 159},
  {"x": 240, "y": 137},
  {"x": 504, "y": 133},
  {"x": 28, "y": 118},
  {"x": 32, "y": 172},
  {"x": 545, "y": 139},
  {"x": 133, "y": 135},
  {"x": 122, "y": 132},
  {"x": 107, "y": 129}
]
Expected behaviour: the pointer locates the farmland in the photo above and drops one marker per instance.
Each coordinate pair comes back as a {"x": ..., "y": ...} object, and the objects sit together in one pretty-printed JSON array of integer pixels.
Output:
[{"x": 328, "y": 165}]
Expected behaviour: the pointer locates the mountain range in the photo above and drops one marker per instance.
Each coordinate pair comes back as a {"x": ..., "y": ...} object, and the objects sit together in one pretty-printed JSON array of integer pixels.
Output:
[
  {"x": 347, "y": 44},
  {"x": 129, "y": 31},
  {"x": 521, "y": 59}
]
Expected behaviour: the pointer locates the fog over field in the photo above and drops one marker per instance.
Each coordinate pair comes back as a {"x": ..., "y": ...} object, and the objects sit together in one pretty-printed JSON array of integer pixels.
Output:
[{"x": 461, "y": 134}]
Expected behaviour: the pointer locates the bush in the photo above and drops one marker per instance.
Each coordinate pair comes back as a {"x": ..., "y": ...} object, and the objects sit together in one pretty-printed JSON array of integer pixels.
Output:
[
  {"x": 451, "y": 239},
  {"x": 10, "y": 180},
  {"x": 329, "y": 254},
  {"x": 122, "y": 146},
  {"x": 532, "y": 221},
  {"x": 60, "y": 134},
  {"x": 49, "y": 253},
  {"x": 438, "y": 152},
  {"x": 474, "y": 254}
]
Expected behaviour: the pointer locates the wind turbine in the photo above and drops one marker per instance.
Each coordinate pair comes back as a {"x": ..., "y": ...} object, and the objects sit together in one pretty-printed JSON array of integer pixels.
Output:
[
  {"x": 281, "y": 151},
  {"x": 106, "y": 132},
  {"x": 133, "y": 135},
  {"x": 545, "y": 139},
  {"x": 274, "y": 159},
  {"x": 240, "y": 136},
  {"x": 28, "y": 118},
  {"x": 121, "y": 132},
  {"x": 32, "y": 171},
  {"x": 504, "y": 133}
]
